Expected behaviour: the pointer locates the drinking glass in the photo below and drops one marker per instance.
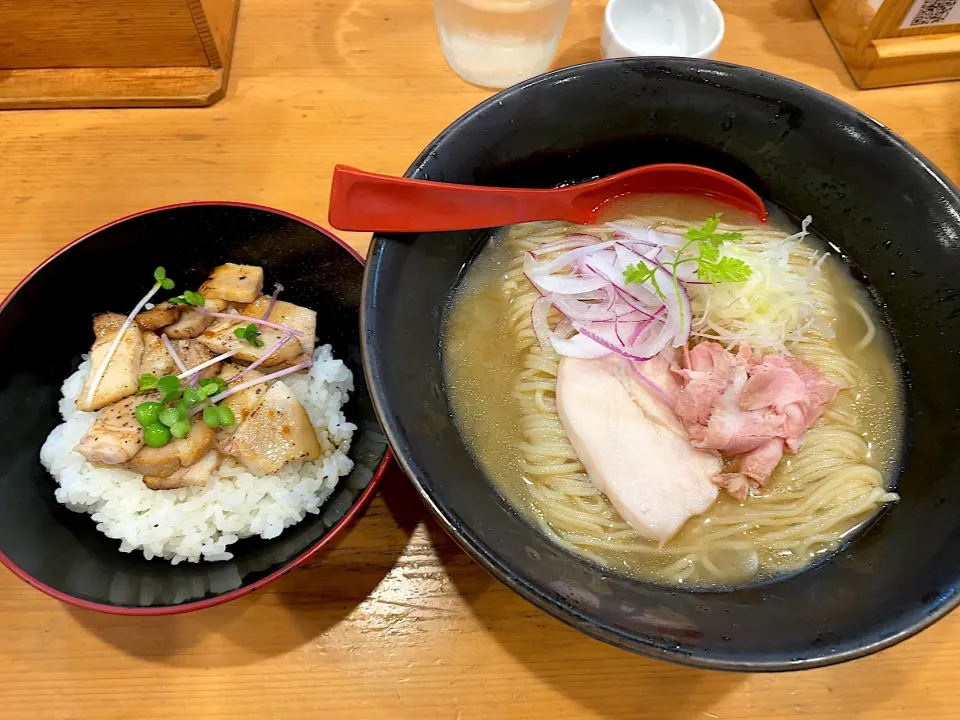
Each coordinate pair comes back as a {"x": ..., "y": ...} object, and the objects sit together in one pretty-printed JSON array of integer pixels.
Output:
[{"x": 496, "y": 43}]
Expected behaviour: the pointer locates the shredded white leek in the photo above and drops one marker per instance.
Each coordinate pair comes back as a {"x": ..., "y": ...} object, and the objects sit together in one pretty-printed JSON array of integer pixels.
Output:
[{"x": 774, "y": 307}]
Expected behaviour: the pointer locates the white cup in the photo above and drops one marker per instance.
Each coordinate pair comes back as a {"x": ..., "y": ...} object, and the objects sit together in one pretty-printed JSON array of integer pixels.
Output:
[{"x": 680, "y": 28}]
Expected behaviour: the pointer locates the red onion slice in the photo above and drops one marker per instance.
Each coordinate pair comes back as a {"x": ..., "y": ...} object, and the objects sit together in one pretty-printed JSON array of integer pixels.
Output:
[
  {"x": 648, "y": 235},
  {"x": 255, "y": 321},
  {"x": 262, "y": 359},
  {"x": 586, "y": 284},
  {"x": 273, "y": 300},
  {"x": 583, "y": 311},
  {"x": 538, "y": 318},
  {"x": 567, "y": 284},
  {"x": 255, "y": 381},
  {"x": 579, "y": 346},
  {"x": 562, "y": 261}
]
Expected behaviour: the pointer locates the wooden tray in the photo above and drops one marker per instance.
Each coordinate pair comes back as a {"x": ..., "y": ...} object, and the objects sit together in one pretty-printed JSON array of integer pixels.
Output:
[
  {"x": 114, "y": 53},
  {"x": 895, "y": 42}
]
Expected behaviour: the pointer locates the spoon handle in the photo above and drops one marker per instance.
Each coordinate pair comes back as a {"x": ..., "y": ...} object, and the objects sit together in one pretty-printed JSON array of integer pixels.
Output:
[{"x": 379, "y": 203}]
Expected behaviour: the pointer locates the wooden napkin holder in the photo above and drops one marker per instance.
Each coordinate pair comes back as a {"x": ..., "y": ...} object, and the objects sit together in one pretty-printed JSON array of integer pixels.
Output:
[
  {"x": 114, "y": 53},
  {"x": 895, "y": 42}
]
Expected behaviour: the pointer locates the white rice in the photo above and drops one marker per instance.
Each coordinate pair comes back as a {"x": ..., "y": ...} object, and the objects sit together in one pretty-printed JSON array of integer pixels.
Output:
[{"x": 199, "y": 523}]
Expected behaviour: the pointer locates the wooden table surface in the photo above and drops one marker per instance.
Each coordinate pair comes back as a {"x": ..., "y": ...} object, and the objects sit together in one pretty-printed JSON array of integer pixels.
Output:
[{"x": 394, "y": 621}]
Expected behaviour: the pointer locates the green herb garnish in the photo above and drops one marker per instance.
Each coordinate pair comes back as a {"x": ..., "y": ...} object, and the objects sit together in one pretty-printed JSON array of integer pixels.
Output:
[
  {"x": 211, "y": 386},
  {"x": 160, "y": 275},
  {"x": 641, "y": 274},
  {"x": 148, "y": 381},
  {"x": 189, "y": 298},
  {"x": 712, "y": 267},
  {"x": 250, "y": 334}
]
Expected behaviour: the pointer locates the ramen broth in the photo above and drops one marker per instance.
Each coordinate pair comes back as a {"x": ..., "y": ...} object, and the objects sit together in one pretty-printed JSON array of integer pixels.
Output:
[{"x": 482, "y": 360}]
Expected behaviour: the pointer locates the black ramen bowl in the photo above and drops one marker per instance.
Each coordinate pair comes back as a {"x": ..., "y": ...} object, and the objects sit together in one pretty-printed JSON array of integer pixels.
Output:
[
  {"x": 894, "y": 216},
  {"x": 60, "y": 551}
]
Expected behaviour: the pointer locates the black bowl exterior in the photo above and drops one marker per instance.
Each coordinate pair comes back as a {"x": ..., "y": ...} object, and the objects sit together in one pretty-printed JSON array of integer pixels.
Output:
[
  {"x": 894, "y": 216},
  {"x": 60, "y": 551}
]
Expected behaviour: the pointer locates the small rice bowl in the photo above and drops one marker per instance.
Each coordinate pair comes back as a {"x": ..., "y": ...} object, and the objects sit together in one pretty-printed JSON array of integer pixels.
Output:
[{"x": 200, "y": 523}]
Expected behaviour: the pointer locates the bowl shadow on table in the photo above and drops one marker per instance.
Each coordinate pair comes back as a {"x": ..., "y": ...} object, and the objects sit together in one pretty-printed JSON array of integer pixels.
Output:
[
  {"x": 551, "y": 650},
  {"x": 653, "y": 689},
  {"x": 297, "y": 609}
]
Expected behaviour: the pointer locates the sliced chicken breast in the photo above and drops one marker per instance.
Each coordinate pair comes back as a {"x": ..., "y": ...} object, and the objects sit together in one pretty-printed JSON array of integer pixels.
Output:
[{"x": 633, "y": 449}]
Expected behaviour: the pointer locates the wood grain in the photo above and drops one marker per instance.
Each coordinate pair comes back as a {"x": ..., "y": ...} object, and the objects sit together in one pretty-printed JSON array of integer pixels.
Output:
[
  {"x": 394, "y": 622},
  {"x": 115, "y": 53},
  {"x": 879, "y": 54},
  {"x": 111, "y": 87},
  {"x": 220, "y": 19},
  {"x": 106, "y": 33}
]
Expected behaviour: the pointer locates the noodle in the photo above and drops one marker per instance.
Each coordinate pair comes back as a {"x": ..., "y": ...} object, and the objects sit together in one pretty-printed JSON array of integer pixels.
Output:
[{"x": 812, "y": 502}]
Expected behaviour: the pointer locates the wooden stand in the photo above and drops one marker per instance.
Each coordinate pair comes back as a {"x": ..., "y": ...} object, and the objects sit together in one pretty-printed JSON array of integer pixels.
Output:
[
  {"x": 114, "y": 53},
  {"x": 894, "y": 42}
]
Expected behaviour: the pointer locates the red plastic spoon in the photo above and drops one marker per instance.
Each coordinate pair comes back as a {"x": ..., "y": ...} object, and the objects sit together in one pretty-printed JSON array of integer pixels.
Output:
[{"x": 365, "y": 201}]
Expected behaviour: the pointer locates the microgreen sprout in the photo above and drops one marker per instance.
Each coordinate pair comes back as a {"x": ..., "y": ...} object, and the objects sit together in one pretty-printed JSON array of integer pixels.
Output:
[
  {"x": 160, "y": 281},
  {"x": 217, "y": 416},
  {"x": 160, "y": 275},
  {"x": 189, "y": 298},
  {"x": 250, "y": 334}
]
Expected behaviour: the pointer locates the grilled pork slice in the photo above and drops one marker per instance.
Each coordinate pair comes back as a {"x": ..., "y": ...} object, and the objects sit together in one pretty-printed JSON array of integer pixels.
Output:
[
  {"x": 220, "y": 336},
  {"x": 234, "y": 283},
  {"x": 156, "y": 359},
  {"x": 156, "y": 462},
  {"x": 115, "y": 436},
  {"x": 107, "y": 324},
  {"x": 196, "y": 444},
  {"x": 242, "y": 404},
  {"x": 122, "y": 374},
  {"x": 192, "y": 323},
  {"x": 292, "y": 316},
  {"x": 197, "y": 474},
  {"x": 192, "y": 353},
  {"x": 165, "y": 461},
  {"x": 161, "y": 315},
  {"x": 276, "y": 433}
]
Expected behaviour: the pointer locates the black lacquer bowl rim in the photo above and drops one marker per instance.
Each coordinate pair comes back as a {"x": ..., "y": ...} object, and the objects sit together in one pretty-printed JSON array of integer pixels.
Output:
[
  {"x": 554, "y": 606},
  {"x": 359, "y": 504}
]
